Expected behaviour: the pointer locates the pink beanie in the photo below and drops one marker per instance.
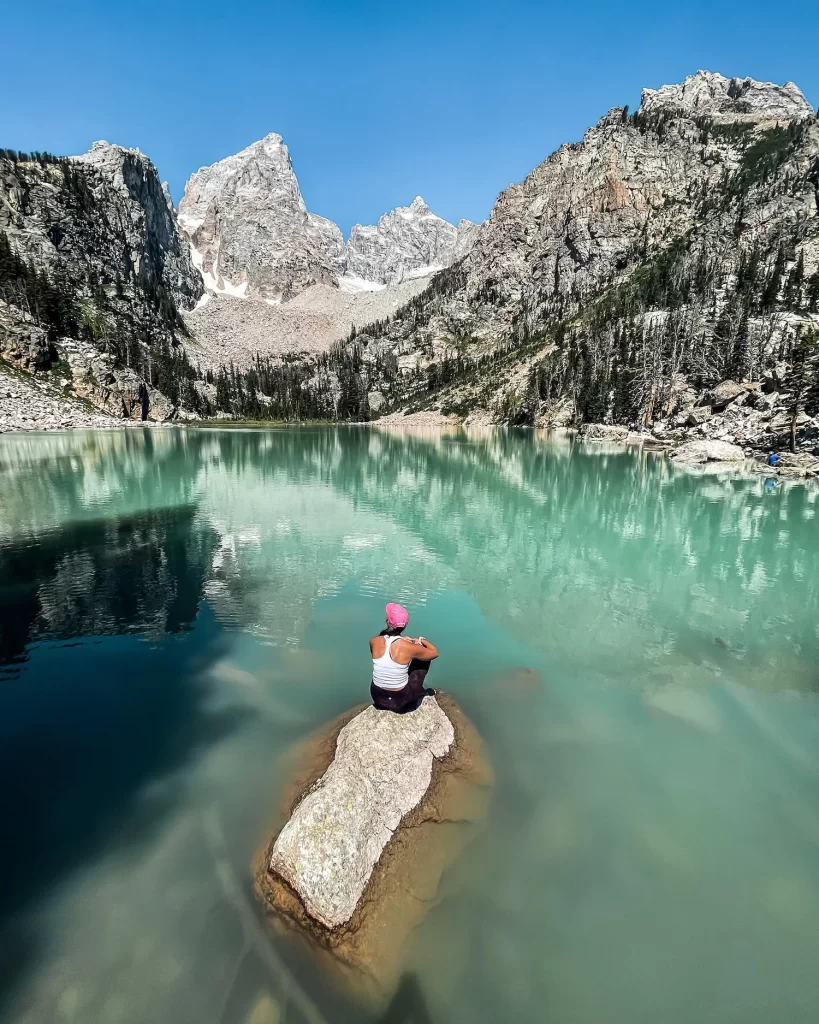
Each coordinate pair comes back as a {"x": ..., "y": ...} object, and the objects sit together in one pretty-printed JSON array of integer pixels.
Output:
[{"x": 397, "y": 616}]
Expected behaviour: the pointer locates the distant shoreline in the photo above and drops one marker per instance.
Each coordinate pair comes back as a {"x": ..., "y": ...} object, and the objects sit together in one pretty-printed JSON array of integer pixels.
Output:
[{"x": 419, "y": 424}]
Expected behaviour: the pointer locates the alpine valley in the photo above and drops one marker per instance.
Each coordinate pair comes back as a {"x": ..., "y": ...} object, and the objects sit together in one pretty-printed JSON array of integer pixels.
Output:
[{"x": 657, "y": 280}]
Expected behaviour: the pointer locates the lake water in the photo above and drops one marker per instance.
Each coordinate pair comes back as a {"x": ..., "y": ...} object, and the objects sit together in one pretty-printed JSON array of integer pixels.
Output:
[{"x": 638, "y": 647}]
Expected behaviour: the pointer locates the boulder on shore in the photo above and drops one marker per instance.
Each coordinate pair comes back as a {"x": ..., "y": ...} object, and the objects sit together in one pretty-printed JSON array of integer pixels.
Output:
[
  {"x": 603, "y": 432},
  {"x": 725, "y": 393},
  {"x": 696, "y": 417},
  {"x": 697, "y": 452},
  {"x": 384, "y": 804}
]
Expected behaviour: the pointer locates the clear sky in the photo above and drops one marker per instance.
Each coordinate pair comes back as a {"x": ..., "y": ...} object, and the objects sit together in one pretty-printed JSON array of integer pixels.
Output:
[{"x": 378, "y": 101}]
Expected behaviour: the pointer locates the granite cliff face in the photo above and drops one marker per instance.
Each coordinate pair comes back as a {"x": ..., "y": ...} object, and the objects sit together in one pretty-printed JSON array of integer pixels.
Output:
[
  {"x": 138, "y": 210},
  {"x": 668, "y": 250},
  {"x": 104, "y": 215},
  {"x": 250, "y": 230},
  {"x": 93, "y": 273},
  {"x": 253, "y": 237}
]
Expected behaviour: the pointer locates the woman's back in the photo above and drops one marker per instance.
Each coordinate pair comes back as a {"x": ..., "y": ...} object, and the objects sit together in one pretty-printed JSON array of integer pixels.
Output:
[{"x": 388, "y": 672}]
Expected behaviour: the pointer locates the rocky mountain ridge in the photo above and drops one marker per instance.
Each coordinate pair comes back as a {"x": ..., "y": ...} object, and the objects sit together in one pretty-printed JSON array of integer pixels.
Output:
[
  {"x": 668, "y": 251},
  {"x": 715, "y": 96},
  {"x": 252, "y": 235}
]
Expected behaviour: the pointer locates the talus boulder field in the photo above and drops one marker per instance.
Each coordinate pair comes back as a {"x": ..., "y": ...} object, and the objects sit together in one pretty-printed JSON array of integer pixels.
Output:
[{"x": 385, "y": 803}]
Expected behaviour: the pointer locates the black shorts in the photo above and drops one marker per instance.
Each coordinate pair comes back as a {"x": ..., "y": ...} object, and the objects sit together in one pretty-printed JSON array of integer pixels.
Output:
[{"x": 408, "y": 697}]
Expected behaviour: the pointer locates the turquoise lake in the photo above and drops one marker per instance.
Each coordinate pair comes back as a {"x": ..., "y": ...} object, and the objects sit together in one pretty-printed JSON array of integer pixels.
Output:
[{"x": 637, "y": 645}]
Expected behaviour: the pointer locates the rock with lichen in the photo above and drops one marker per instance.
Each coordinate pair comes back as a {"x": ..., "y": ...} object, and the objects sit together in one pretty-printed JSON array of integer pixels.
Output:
[{"x": 387, "y": 803}]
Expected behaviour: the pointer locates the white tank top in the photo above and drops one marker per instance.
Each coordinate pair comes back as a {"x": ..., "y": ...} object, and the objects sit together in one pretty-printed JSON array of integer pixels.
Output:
[{"x": 388, "y": 674}]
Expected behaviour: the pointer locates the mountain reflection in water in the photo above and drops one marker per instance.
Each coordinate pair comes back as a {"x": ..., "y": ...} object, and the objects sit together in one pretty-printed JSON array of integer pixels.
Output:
[
  {"x": 637, "y": 645},
  {"x": 139, "y": 573}
]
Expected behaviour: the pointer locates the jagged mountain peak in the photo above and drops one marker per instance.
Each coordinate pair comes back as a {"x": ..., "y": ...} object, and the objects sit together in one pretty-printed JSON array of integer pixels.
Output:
[
  {"x": 250, "y": 230},
  {"x": 111, "y": 155},
  {"x": 253, "y": 236},
  {"x": 418, "y": 206},
  {"x": 409, "y": 241},
  {"x": 709, "y": 93}
]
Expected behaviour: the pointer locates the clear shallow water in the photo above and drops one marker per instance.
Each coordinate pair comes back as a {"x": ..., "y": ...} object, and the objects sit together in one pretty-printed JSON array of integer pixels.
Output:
[{"x": 638, "y": 647}]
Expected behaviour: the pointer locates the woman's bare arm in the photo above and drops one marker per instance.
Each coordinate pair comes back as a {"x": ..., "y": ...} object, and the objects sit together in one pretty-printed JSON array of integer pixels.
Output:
[{"x": 424, "y": 649}]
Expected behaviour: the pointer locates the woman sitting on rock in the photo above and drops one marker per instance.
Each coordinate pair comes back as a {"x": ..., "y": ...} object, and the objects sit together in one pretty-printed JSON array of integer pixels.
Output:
[{"x": 400, "y": 664}]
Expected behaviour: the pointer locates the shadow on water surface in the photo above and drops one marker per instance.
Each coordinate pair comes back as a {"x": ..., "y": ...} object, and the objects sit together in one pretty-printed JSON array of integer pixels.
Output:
[{"x": 92, "y": 732}]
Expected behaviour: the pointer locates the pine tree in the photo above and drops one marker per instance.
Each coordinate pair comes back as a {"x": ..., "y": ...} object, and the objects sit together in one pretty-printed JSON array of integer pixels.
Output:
[
  {"x": 721, "y": 348},
  {"x": 812, "y": 388},
  {"x": 796, "y": 279},
  {"x": 800, "y": 380},
  {"x": 531, "y": 401},
  {"x": 770, "y": 293},
  {"x": 813, "y": 292},
  {"x": 739, "y": 366}
]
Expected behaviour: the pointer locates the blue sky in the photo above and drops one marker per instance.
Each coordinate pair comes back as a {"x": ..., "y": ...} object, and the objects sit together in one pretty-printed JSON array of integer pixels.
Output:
[{"x": 377, "y": 101}]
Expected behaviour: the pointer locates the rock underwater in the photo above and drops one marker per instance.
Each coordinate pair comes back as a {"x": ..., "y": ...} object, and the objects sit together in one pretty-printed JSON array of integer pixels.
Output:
[{"x": 383, "y": 803}]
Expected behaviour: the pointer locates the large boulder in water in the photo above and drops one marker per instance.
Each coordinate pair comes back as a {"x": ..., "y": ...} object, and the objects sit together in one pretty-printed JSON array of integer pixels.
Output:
[
  {"x": 387, "y": 802},
  {"x": 381, "y": 770},
  {"x": 694, "y": 453}
]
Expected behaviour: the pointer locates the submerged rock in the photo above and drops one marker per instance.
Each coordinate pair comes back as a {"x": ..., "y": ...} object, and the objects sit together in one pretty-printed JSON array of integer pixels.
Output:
[{"x": 386, "y": 803}]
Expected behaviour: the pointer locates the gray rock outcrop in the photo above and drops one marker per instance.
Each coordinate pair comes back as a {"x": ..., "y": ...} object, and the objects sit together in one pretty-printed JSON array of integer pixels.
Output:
[
  {"x": 723, "y": 394},
  {"x": 381, "y": 771},
  {"x": 735, "y": 98},
  {"x": 22, "y": 342},
  {"x": 696, "y": 417},
  {"x": 603, "y": 432},
  {"x": 137, "y": 205},
  {"x": 98, "y": 218}
]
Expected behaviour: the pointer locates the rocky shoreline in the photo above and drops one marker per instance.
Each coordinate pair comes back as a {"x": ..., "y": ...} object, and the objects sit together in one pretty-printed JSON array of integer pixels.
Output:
[
  {"x": 31, "y": 406},
  {"x": 731, "y": 423},
  {"x": 699, "y": 453}
]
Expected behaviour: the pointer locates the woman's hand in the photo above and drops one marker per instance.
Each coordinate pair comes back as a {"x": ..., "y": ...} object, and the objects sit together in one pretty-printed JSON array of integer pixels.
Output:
[{"x": 429, "y": 649}]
